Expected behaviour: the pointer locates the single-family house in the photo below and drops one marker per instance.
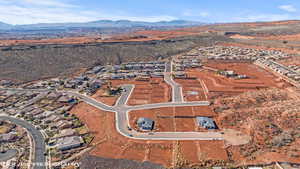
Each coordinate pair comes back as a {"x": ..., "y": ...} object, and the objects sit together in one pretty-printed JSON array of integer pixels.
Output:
[
  {"x": 206, "y": 122},
  {"x": 145, "y": 124},
  {"x": 68, "y": 143}
]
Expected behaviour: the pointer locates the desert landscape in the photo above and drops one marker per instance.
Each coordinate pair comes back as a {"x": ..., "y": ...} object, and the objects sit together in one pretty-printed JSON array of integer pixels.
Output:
[
  {"x": 180, "y": 97},
  {"x": 246, "y": 111}
]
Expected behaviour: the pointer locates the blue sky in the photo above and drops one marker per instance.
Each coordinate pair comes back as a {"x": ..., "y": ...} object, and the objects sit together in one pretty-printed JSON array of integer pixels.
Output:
[{"x": 56, "y": 11}]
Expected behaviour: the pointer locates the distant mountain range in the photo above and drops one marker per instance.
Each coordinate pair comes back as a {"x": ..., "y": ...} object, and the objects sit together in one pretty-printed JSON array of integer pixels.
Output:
[
  {"x": 5, "y": 26},
  {"x": 101, "y": 24}
]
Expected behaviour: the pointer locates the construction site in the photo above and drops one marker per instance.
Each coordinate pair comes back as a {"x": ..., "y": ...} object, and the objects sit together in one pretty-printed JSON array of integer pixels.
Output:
[
  {"x": 153, "y": 90},
  {"x": 246, "y": 103},
  {"x": 110, "y": 144},
  {"x": 218, "y": 85}
]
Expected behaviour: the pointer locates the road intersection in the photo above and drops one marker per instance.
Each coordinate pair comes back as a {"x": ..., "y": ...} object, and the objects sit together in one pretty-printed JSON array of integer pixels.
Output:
[
  {"x": 122, "y": 118},
  {"x": 124, "y": 128},
  {"x": 122, "y": 110}
]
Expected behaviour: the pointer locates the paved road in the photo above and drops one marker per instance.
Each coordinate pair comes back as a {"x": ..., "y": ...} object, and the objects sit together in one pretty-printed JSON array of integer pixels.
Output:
[
  {"x": 177, "y": 95},
  {"x": 91, "y": 101},
  {"x": 176, "y": 88},
  {"x": 9, "y": 154},
  {"x": 124, "y": 128},
  {"x": 38, "y": 139},
  {"x": 169, "y": 104},
  {"x": 168, "y": 67},
  {"x": 122, "y": 120},
  {"x": 127, "y": 90}
]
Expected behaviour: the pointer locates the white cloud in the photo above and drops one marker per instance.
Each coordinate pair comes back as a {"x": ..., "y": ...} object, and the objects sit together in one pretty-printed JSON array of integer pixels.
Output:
[
  {"x": 55, "y": 11},
  {"x": 47, "y": 3},
  {"x": 23, "y": 15},
  {"x": 288, "y": 8}
]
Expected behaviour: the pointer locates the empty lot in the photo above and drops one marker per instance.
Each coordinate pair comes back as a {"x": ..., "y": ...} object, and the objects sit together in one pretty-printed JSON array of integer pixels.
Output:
[{"x": 218, "y": 85}]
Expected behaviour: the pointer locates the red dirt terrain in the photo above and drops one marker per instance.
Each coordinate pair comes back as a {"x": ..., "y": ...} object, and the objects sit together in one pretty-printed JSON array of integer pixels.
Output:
[
  {"x": 192, "y": 89},
  {"x": 108, "y": 143},
  {"x": 217, "y": 85},
  {"x": 259, "y": 118},
  {"x": 259, "y": 24},
  {"x": 271, "y": 117},
  {"x": 146, "y": 92},
  {"x": 148, "y": 35},
  {"x": 195, "y": 154},
  {"x": 294, "y": 37},
  {"x": 172, "y": 118},
  {"x": 136, "y": 36},
  {"x": 100, "y": 96}
]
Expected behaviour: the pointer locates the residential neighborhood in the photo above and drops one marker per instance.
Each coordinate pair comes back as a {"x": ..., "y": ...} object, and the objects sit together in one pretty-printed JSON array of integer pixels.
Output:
[
  {"x": 15, "y": 146},
  {"x": 239, "y": 53},
  {"x": 64, "y": 134},
  {"x": 288, "y": 73}
]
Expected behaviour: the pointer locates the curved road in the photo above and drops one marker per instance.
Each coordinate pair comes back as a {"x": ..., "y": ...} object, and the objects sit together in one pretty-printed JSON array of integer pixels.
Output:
[
  {"x": 122, "y": 120},
  {"x": 39, "y": 161}
]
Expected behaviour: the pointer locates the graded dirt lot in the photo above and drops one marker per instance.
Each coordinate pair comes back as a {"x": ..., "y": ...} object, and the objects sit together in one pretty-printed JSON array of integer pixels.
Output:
[
  {"x": 256, "y": 74},
  {"x": 110, "y": 144},
  {"x": 184, "y": 119},
  {"x": 247, "y": 117},
  {"x": 109, "y": 100},
  {"x": 145, "y": 92},
  {"x": 192, "y": 89},
  {"x": 199, "y": 153},
  {"x": 218, "y": 85},
  {"x": 172, "y": 118}
]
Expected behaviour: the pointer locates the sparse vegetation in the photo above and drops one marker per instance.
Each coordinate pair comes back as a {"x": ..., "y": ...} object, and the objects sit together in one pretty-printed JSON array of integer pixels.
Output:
[{"x": 27, "y": 63}]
